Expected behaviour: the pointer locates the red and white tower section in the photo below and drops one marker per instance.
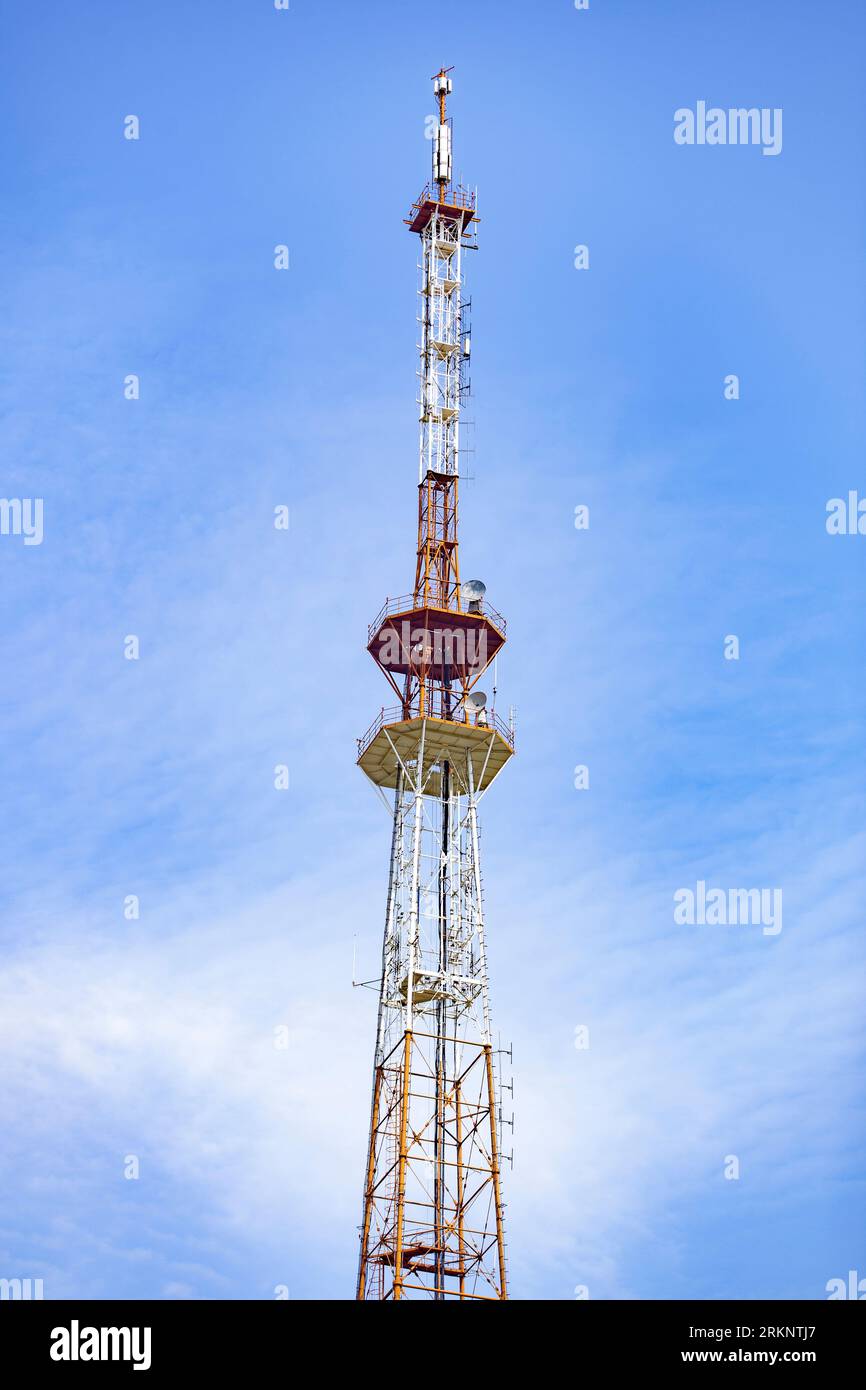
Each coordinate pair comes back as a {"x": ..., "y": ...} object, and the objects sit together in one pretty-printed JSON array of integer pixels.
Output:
[{"x": 432, "y": 1225}]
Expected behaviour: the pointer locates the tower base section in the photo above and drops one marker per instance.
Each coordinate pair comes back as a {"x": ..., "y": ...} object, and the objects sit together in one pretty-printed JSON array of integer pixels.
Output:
[{"x": 432, "y": 1208}]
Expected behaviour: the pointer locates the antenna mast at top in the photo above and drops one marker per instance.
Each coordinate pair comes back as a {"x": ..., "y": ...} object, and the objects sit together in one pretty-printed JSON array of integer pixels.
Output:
[{"x": 442, "y": 87}]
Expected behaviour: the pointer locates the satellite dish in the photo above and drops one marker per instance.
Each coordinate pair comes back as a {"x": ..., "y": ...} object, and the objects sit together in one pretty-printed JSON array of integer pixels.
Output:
[
  {"x": 473, "y": 592},
  {"x": 475, "y": 702}
]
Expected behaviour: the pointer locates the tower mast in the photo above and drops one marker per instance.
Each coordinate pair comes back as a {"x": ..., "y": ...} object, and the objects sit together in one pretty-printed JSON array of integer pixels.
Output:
[{"x": 432, "y": 1222}]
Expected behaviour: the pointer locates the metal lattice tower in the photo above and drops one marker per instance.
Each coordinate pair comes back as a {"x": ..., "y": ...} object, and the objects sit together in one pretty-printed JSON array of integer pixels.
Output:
[{"x": 432, "y": 1219}]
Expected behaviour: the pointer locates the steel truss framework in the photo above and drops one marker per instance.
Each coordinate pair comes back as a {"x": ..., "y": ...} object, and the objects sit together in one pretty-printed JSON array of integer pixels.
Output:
[
  {"x": 432, "y": 1225},
  {"x": 441, "y": 342}
]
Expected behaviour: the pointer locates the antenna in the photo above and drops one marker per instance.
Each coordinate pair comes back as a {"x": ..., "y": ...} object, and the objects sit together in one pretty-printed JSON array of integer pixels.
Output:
[
  {"x": 475, "y": 705},
  {"x": 442, "y": 87},
  {"x": 472, "y": 593}
]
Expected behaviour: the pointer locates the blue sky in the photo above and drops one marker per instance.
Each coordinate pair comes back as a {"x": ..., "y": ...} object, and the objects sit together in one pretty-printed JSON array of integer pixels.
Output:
[{"x": 258, "y": 388}]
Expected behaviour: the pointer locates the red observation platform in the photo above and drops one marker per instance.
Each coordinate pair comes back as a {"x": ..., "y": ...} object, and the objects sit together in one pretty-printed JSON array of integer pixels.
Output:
[
  {"x": 441, "y": 644},
  {"x": 457, "y": 204}
]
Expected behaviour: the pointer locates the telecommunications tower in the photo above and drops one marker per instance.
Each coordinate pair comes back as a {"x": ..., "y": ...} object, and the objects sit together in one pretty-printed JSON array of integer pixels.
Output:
[{"x": 432, "y": 1216}]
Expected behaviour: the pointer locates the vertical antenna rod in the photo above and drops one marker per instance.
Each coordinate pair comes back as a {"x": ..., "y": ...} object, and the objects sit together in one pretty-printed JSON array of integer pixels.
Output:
[{"x": 442, "y": 140}]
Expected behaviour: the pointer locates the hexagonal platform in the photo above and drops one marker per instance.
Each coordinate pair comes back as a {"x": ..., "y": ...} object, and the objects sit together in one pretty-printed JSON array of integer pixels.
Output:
[
  {"x": 445, "y": 740},
  {"x": 442, "y": 643}
]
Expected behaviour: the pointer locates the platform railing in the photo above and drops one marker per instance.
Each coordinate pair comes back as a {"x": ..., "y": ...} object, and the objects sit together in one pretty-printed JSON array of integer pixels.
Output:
[
  {"x": 396, "y": 714},
  {"x": 454, "y": 196},
  {"x": 406, "y": 604}
]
